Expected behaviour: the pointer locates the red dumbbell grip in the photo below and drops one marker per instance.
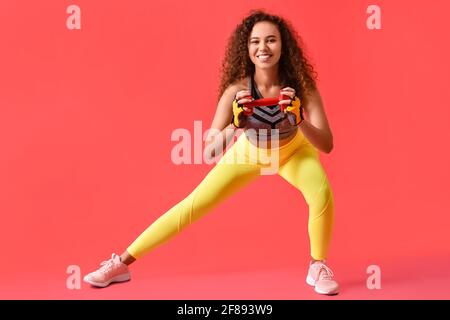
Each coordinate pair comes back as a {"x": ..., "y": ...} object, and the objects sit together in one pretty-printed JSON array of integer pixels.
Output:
[{"x": 265, "y": 102}]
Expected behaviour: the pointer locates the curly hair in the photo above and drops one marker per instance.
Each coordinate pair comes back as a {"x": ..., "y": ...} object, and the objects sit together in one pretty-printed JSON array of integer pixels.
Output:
[{"x": 294, "y": 69}]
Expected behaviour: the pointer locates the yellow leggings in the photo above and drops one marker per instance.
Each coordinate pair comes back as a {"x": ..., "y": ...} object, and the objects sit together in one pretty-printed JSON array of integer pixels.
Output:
[{"x": 298, "y": 163}]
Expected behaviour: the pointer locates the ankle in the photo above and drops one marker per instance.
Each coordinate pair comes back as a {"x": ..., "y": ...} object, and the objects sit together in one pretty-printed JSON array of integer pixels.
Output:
[
  {"x": 127, "y": 258},
  {"x": 314, "y": 261}
]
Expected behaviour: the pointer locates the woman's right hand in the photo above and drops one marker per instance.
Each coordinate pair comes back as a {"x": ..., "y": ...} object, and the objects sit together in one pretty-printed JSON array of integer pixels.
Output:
[{"x": 239, "y": 116}]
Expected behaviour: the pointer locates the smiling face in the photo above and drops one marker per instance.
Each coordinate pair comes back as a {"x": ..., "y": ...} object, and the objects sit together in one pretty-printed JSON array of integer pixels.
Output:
[{"x": 264, "y": 45}]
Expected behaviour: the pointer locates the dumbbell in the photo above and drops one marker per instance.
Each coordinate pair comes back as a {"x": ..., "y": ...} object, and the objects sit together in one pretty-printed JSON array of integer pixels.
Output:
[{"x": 264, "y": 102}]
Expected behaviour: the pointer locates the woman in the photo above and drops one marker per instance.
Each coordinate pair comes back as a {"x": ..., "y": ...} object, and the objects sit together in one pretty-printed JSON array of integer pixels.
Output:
[{"x": 263, "y": 59}]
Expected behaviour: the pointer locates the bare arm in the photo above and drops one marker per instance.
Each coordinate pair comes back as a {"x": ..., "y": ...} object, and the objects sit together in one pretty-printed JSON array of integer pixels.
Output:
[
  {"x": 317, "y": 129},
  {"x": 221, "y": 123}
]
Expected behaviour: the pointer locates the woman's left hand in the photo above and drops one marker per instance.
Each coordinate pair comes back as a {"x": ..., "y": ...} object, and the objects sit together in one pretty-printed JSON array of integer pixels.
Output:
[
  {"x": 292, "y": 107},
  {"x": 287, "y": 92}
]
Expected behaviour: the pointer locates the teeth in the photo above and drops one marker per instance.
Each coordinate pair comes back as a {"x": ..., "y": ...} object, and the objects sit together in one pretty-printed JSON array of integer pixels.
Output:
[{"x": 264, "y": 57}]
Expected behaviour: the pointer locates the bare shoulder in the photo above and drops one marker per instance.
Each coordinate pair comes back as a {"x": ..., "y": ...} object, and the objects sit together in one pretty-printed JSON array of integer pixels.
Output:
[{"x": 237, "y": 86}]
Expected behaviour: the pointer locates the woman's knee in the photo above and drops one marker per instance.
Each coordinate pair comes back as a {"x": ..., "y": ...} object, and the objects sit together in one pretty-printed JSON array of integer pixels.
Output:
[{"x": 323, "y": 199}]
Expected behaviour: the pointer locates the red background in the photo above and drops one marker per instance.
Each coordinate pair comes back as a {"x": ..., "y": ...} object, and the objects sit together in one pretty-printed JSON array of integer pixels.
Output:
[{"x": 85, "y": 123}]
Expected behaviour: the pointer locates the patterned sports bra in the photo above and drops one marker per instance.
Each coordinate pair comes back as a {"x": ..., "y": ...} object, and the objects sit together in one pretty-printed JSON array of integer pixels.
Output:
[{"x": 268, "y": 117}]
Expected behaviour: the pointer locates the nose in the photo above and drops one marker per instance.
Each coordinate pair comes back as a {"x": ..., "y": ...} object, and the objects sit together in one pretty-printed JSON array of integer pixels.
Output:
[{"x": 262, "y": 45}]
